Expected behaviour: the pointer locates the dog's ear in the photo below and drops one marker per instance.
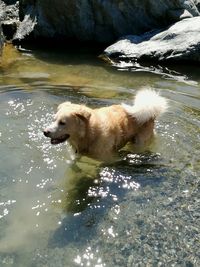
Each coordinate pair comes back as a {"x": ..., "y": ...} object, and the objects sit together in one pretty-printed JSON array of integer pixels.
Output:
[
  {"x": 63, "y": 104},
  {"x": 83, "y": 115}
]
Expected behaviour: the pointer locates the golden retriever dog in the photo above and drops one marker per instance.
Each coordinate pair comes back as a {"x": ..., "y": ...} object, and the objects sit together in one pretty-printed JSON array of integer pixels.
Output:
[{"x": 100, "y": 133}]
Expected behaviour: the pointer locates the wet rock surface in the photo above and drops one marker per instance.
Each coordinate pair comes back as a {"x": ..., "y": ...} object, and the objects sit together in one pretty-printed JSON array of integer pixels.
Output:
[
  {"x": 105, "y": 22},
  {"x": 102, "y": 21},
  {"x": 9, "y": 17},
  {"x": 181, "y": 41},
  {"x": 1, "y": 34},
  {"x": 1, "y": 41}
]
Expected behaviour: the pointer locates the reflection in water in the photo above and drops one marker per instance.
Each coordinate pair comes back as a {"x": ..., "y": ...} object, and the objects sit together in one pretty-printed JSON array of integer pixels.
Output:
[
  {"x": 75, "y": 185},
  {"x": 142, "y": 210},
  {"x": 164, "y": 71}
]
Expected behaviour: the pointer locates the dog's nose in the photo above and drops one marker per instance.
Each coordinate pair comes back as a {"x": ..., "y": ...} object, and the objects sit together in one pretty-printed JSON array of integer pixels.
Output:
[{"x": 46, "y": 132}]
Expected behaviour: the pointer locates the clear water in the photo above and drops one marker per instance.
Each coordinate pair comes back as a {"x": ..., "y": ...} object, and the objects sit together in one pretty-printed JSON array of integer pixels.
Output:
[{"x": 57, "y": 212}]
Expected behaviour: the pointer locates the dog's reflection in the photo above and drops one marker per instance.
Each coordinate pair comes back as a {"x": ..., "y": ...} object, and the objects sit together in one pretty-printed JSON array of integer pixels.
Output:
[
  {"x": 74, "y": 186},
  {"x": 91, "y": 189},
  {"x": 82, "y": 177},
  {"x": 74, "y": 201}
]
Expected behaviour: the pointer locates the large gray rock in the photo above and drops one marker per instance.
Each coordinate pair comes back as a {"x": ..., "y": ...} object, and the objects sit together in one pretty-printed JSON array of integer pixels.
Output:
[
  {"x": 2, "y": 11},
  {"x": 98, "y": 20},
  {"x": 2, "y": 15},
  {"x": 181, "y": 41}
]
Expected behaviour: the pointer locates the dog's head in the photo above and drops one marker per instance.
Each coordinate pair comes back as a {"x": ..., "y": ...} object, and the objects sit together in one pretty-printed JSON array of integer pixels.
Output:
[{"x": 70, "y": 123}]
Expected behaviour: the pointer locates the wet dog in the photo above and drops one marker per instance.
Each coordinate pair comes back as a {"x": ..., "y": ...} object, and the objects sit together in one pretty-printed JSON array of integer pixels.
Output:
[{"x": 100, "y": 133}]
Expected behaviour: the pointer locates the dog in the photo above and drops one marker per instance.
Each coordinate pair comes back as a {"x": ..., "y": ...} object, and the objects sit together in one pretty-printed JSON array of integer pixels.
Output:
[{"x": 100, "y": 133}]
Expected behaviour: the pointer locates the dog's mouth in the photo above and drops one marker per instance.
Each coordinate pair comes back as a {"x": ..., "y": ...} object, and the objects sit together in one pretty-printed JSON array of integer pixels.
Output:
[{"x": 61, "y": 139}]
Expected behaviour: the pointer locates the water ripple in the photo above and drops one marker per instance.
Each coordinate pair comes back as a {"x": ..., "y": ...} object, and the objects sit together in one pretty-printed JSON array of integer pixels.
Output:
[{"x": 138, "y": 211}]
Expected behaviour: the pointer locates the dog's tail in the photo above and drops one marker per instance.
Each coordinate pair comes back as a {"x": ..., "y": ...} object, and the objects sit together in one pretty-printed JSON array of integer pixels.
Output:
[{"x": 148, "y": 104}]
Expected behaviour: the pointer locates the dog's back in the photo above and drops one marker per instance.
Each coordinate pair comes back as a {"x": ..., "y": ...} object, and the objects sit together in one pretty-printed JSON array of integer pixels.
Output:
[
  {"x": 99, "y": 133},
  {"x": 111, "y": 128},
  {"x": 114, "y": 126}
]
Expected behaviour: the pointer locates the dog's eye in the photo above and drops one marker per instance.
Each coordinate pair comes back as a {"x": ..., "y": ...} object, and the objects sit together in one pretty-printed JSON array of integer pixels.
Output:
[{"x": 61, "y": 123}]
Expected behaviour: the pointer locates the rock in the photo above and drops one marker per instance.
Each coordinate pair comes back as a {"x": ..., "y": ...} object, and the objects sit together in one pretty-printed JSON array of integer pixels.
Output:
[
  {"x": 10, "y": 2},
  {"x": 9, "y": 28},
  {"x": 25, "y": 28},
  {"x": 100, "y": 21},
  {"x": 1, "y": 42},
  {"x": 9, "y": 16},
  {"x": 180, "y": 41},
  {"x": 2, "y": 14},
  {"x": 9, "y": 56},
  {"x": 2, "y": 11}
]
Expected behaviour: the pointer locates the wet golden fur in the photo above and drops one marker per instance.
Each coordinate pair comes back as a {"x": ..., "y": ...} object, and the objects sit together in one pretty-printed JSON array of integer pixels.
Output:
[{"x": 100, "y": 133}]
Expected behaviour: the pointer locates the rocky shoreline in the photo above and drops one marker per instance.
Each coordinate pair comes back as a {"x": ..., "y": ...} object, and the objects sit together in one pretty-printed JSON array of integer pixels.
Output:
[
  {"x": 146, "y": 30},
  {"x": 179, "y": 42}
]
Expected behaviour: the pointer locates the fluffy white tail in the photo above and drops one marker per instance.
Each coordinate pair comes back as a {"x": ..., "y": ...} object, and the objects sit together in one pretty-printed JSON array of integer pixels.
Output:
[{"x": 148, "y": 104}]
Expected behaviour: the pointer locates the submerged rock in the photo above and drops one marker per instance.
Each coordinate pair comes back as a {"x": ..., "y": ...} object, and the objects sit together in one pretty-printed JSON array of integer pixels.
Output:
[
  {"x": 180, "y": 41},
  {"x": 99, "y": 21},
  {"x": 9, "y": 56}
]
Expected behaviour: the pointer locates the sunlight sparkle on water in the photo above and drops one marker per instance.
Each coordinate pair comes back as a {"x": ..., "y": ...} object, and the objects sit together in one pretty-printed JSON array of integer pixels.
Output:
[
  {"x": 111, "y": 176},
  {"x": 89, "y": 258},
  {"x": 3, "y": 206}
]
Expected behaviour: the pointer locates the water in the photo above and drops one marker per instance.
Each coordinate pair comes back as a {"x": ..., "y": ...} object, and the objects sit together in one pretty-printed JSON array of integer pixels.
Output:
[{"x": 55, "y": 211}]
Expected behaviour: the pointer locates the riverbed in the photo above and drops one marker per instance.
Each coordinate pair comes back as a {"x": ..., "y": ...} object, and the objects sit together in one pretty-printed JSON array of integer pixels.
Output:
[{"x": 56, "y": 211}]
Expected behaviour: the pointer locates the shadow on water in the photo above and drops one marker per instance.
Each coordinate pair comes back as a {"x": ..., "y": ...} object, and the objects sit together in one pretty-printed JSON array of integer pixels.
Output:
[
  {"x": 90, "y": 193},
  {"x": 68, "y": 56},
  {"x": 64, "y": 68}
]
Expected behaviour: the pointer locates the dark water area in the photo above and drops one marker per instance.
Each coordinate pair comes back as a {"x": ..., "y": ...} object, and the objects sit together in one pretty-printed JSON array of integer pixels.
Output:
[{"x": 55, "y": 211}]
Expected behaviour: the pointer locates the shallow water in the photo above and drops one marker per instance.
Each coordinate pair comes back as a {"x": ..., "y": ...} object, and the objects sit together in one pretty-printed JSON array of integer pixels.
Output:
[{"x": 54, "y": 211}]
